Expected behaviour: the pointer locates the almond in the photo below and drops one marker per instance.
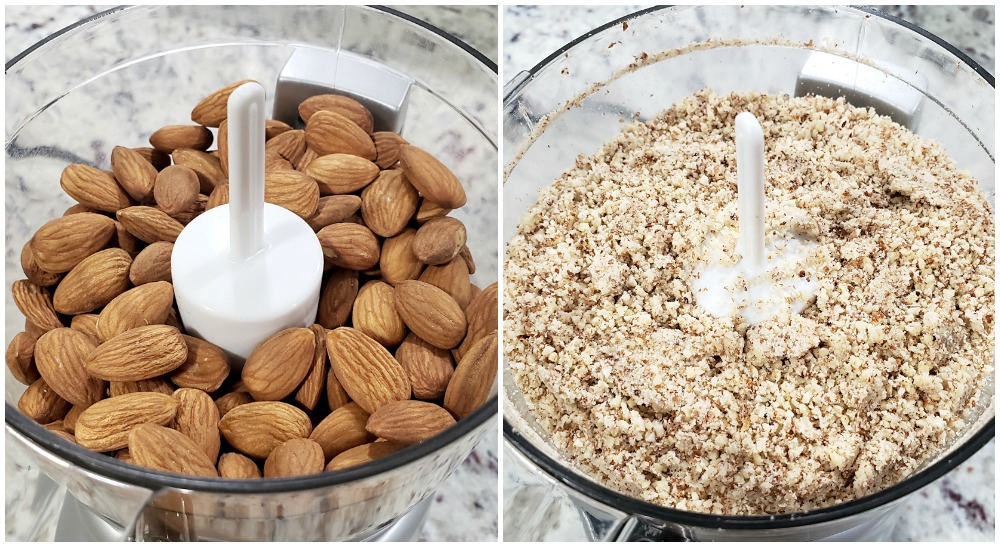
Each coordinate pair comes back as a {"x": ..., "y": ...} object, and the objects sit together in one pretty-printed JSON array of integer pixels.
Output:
[
  {"x": 311, "y": 389},
  {"x": 429, "y": 368},
  {"x": 138, "y": 354},
  {"x": 223, "y": 147},
  {"x": 158, "y": 447},
  {"x": 255, "y": 429},
  {"x": 345, "y": 106},
  {"x": 153, "y": 385},
  {"x": 176, "y": 189},
  {"x": 232, "y": 400},
  {"x": 150, "y": 224},
  {"x": 483, "y": 317},
  {"x": 64, "y": 242},
  {"x": 474, "y": 376},
  {"x": 159, "y": 159},
  {"x": 409, "y": 422},
  {"x": 76, "y": 209},
  {"x": 207, "y": 168},
  {"x": 277, "y": 366},
  {"x": 33, "y": 330},
  {"x": 87, "y": 324},
  {"x": 94, "y": 188},
  {"x": 439, "y": 240},
  {"x": 336, "y": 298},
  {"x": 341, "y": 173},
  {"x": 60, "y": 355},
  {"x": 397, "y": 261},
  {"x": 171, "y": 137},
  {"x": 42, "y": 278},
  {"x": 293, "y": 458},
  {"x": 430, "y": 177},
  {"x": 428, "y": 210},
  {"x": 331, "y": 133},
  {"x": 233, "y": 465},
  {"x": 273, "y": 128},
  {"x": 134, "y": 173},
  {"x": 292, "y": 190},
  {"x": 375, "y": 314},
  {"x": 466, "y": 255},
  {"x": 219, "y": 196},
  {"x": 125, "y": 456},
  {"x": 431, "y": 313},
  {"x": 349, "y": 245},
  {"x": 198, "y": 418},
  {"x": 69, "y": 420},
  {"x": 36, "y": 304},
  {"x": 20, "y": 358},
  {"x": 205, "y": 368},
  {"x": 196, "y": 208},
  {"x": 290, "y": 145},
  {"x": 387, "y": 146},
  {"x": 341, "y": 430},
  {"x": 336, "y": 396},
  {"x": 105, "y": 425},
  {"x": 211, "y": 111},
  {"x": 306, "y": 159},
  {"x": 124, "y": 240},
  {"x": 274, "y": 161},
  {"x": 41, "y": 403},
  {"x": 389, "y": 203},
  {"x": 362, "y": 454},
  {"x": 147, "y": 304},
  {"x": 368, "y": 372},
  {"x": 93, "y": 283},
  {"x": 333, "y": 209},
  {"x": 452, "y": 278},
  {"x": 152, "y": 264}
]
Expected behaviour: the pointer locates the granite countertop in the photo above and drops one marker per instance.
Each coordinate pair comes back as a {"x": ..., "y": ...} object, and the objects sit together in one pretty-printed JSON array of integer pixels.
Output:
[
  {"x": 465, "y": 506},
  {"x": 960, "y": 505}
]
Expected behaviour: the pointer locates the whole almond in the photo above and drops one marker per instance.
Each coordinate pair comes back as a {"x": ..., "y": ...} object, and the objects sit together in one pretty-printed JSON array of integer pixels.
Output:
[
  {"x": 159, "y": 159},
  {"x": 409, "y": 422},
  {"x": 147, "y": 304},
  {"x": 363, "y": 454},
  {"x": 292, "y": 190},
  {"x": 125, "y": 456},
  {"x": 466, "y": 255},
  {"x": 397, "y": 261},
  {"x": 341, "y": 430},
  {"x": 211, "y": 111},
  {"x": 94, "y": 282},
  {"x": 196, "y": 208},
  {"x": 176, "y": 189},
  {"x": 349, "y": 245},
  {"x": 429, "y": 368},
  {"x": 60, "y": 355},
  {"x": 152, "y": 264},
  {"x": 431, "y": 313},
  {"x": 483, "y": 317},
  {"x": 233, "y": 465},
  {"x": 452, "y": 278},
  {"x": 368, "y": 372},
  {"x": 333, "y": 209},
  {"x": 105, "y": 425},
  {"x": 198, "y": 418},
  {"x": 387, "y": 146},
  {"x": 223, "y": 146},
  {"x": 375, "y": 314},
  {"x": 341, "y": 173},
  {"x": 428, "y": 210},
  {"x": 293, "y": 458},
  {"x": 171, "y": 137},
  {"x": 311, "y": 390},
  {"x": 36, "y": 304},
  {"x": 336, "y": 299},
  {"x": 219, "y": 196},
  {"x": 138, "y": 354},
  {"x": 64, "y": 242},
  {"x": 430, "y": 177},
  {"x": 389, "y": 203},
  {"x": 255, "y": 429},
  {"x": 232, "y": 400},
  {"x": 153, "y": 385},
  {"x": 274, "y": 161},
  {"x": 290, "y": 145},
  {"x": 331, "y": 133},
  {"x": 127, "y": 242},
  {"x": 78, "y": 208},
  {"x": 42, "y": 278},
  {"x": 20, "y": 358},
  {"x": 205, "y": 368},
  {"x": 307, "y": 157},
  {"x": 277, "y": 366},
  {"x": 345, "y": 106},
  {"x": 207, "y": 168},
  {"x": 87, "y": 324},
  {"x": 33, "y": 330},
  {"x": 69, "y": 420},
  {"x": 94, "y": 188},
  {"x": 474, "y": 376},
  {"x": 273, "y": 128},
  {"x": 336, "y": 396},
  {"x": 158, "y": 447},
  {"x": 133, "y": 172},
  {"x": 41, "y": 403},
  {"x": 439, "y": 240},
  {"x": 150, "y": 224}
]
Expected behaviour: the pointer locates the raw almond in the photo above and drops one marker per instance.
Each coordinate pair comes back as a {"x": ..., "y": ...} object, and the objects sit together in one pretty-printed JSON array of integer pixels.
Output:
[
  {"x": 293, "y": 458},
  {"x": 133, "y": 172},
  {"x": 375, "y": 314},
  {"x": 483, "y": 319},
  {"x": 158, "y": 447},
  {"x": 176, "y": 189},
  {"x": 36, "y": 274},
  {"x": 397, "y": 262},
  {"x": 36, "y": 304},
  {"x": 331, "y": 133},
  {"x": 207, "y": 168},
  {"x": 41, "y": 403},
  {"x": 273, "y": 128},
  {"x": 345, "y": 106},
  {"x": 138, "y": 354},
  {"x": 94, "y": 282},
  {"x": 78, "y": 208},
  {"x": 277, "y": 366},
  {"x": 196, "y": 208},
  {"x": 311, "y": 389},
  {"x": 94, "y": 188},
  {"x": 105, "y": 425},
  {"x": 159, "y": 159},
  {"x": 125, "y": 456},
  {"x": 60, "y": 355},
  {"x": 431, "y": 313},
  {"x": 428, "y": 210},
  {"x": 431, "y": 177},
  {"x": 211, "y": 111},
  {"x": 219, "y": 196},
  {"x": 150, "y": 224},
  {"x": 32, "y": 330},
  {"x": 198, "y": 418},
  {"x": 290, "y": 145},
  {"x": 429, "y": 368},
  {"x": 389, "y": 203},
  {"x": 349, "y": 245},
  {"x": 233, "y": 465},
  {"x": 274, "y": 161},
  {"x": 62, "y": 243},
  {"x": 171, "y": 137},
  {"x": 69, "y": 420},
  {"x": 368, "y": 372},
  {"x": 152, "y": 264},
  {"x": 336, "y": 299},
  {"x": 205, "y": 368},
  {"x": 452, "y": 278},
  {"x": 336, "y": 396},
  {"x": 409, "y": 422},
  {"x": 232, "y": 400},
  {"x": 147, "y": 304},
  {"x": 306, "y": 159},
  {"x": 466, "y": 255},
  {"x": 124, "y": 240},
  {"x": 362, "y": 454},
  {"x": 87, "y": 324},
  {"x": 20, "y": 358},
  {"x": 255, "y": 429},
  {"x": 292, "y": 190},
  {"x": 333, "y": 209},
  {"x": 474, "y": 376},
  {"x": 153, "y": 385},
  {"x": 387, "y": 146},
  {"x": 341, "y": 430},
  {"x": 223, "y": 147},
  {"x": 341, "y": 173},
  {"x": 439, "y": 240}
]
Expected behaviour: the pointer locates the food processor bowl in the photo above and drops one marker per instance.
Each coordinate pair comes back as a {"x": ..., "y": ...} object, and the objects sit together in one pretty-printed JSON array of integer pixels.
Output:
[
  {"x": 583, "y": 95},
  {"x": 115, "y": 78}
]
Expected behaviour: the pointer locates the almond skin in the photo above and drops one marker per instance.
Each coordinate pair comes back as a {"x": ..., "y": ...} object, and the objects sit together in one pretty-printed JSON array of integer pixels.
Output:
[
  {"x": 336, "y": 299},
  {"x": 69, "y": 420},
  {"x": 387, "y": 146},
  {"x": 93, "y": 283},
  {"x": 431, "y": 313},
  {"x": 428, "y": 210},
  {"x": 232, "y": 400},
  {"x": 341, "y": 430},
  {"x": 278, "y": 365},
  {"x": 431, "y": 178},
  {"x": 150, "y": 224},
  {"x": 158, "y": 447},
  {"x": 345, "y": 106},
  {"x": 336, "y": 396},
  {"x": 349, "y": 245},
  {"x": 453, "y": 278},
  {"x": 341, "y": 173},
  {"x": 208, "y": 168},
  {"x": 375, "y": 314},
  {"x": 138, "y": 354},
  {"x": 105, "y": 425},
  {"x": 472, "y": 382},
  {"x": 153, "y": 385},
  {"x": 198, "y": 418},
  {"x": 94, "y": 188},
  {"x": 36, "y": 304},
  {"x": 41, "y": 403},
  {"x": 205, "y": 368},
  {"x": 60, "y": 355},
  {"x": 292, "y": 190},
  {"x": 135, "y": 173},
  {"x": 211, "y": 111},
  {"x": 273, "y": 128},
  {"x": 171, "y": 137},
  {"x": 429, "y": 368},
  {"x": 388, "y": 203},
  {"x": 333, "y": 209},
  {"x": 152, "y": 264},
  {"x": 233, "y": 465},
  {"x": 483, "y": 319},
  {"x": 219, "y": 196},
  {"x": 87, "y": 324},
  {"x": 223, "y": 146},
  {"x": 147, "y": 304},
  {"x": 331, "y": 133},
  {"x": 397, "y": 261},
  {"x": 40, "y": 277},
  {"x": 293, "y": 458},
  {"x": 160, "y": 160},
  {"x": 20, "y": 358},
  {"x": 64, "y": 242},
  {"x": 439, "y": 240},
  {"x": 257, "y": 428},
  {"x": 290, "y": 145},
  {"x": 176, "y": 189},
  {"x": 363, "y": 454},
  {"x": 409, "y": 422},
  {"x": 311, "y": 390},
  {"x": 367, "y": 371}
]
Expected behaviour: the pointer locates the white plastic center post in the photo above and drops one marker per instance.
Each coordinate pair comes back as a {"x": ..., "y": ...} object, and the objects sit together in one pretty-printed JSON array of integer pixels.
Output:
[
  {"x": 764, "y": 282},
  {"x": 249, "y": 269}
]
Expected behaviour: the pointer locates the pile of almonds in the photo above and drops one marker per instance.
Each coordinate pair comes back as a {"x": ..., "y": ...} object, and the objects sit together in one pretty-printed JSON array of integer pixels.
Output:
[{"x": 124, "y": 379}]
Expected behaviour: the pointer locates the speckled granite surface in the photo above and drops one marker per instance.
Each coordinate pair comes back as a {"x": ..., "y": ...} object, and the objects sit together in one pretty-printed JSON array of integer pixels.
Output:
[{"x": 959, "y": 506}]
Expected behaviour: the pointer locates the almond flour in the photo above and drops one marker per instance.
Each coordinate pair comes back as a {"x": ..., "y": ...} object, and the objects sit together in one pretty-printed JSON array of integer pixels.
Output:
[{"x": 656, "y": 398}]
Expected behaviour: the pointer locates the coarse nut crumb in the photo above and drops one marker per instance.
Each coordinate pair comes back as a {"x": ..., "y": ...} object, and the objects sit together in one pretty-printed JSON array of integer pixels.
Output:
[{"x": 658, "y": 399}]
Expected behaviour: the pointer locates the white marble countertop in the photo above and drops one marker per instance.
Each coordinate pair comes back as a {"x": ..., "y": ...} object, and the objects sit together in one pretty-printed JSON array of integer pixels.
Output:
[{"x": 959, "y": 506}]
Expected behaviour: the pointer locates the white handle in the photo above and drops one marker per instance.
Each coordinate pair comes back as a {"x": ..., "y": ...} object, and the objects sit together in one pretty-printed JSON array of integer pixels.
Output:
[
  {"x": 750, "y": 197},
  {"x": 245, "y": 112}
]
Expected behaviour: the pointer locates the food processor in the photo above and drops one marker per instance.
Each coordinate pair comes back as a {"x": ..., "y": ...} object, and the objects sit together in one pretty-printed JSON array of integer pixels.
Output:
[
  {"x": 582, "y": 96},
  {"x": 115, "y": 78}
]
